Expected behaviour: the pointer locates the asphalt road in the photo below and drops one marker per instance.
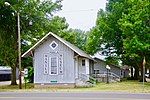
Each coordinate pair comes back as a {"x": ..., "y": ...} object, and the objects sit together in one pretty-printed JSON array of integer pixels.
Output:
[{"x": 73, "y": 96}]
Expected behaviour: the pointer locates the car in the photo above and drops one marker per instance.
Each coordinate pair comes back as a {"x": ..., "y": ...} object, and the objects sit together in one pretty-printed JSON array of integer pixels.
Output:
[{"x": 147, "y": 75}]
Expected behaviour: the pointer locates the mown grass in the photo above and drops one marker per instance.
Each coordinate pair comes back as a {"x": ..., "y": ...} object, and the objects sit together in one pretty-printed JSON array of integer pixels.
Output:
[{"x": 124, "y": 86}]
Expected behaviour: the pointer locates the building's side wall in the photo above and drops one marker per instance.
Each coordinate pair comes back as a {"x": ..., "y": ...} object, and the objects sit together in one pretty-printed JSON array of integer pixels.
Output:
[
  {"x": 115, "y": 70},
  {"x": 91, "y": 64},
  {"x": 67, "y": 77},
  {"x": 100, "y": 66},
  {"x": 126, "y": 73}
]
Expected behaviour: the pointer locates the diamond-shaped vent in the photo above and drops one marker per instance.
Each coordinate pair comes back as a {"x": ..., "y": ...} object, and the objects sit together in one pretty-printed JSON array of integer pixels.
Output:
[{"x": 53, "y": 45}]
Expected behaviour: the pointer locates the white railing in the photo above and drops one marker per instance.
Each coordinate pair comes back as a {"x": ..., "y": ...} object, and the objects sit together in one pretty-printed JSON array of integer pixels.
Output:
[
  {"x": 87, "y": 78},
  {"x": 112, "y": 75}
]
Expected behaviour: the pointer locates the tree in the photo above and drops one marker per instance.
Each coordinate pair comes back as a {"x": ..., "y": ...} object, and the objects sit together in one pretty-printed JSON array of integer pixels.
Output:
[
  {"x": 94, "y": 41},
  {"x": 122, "y": 32},
  {"x": 37, "y": 12},
  {"x": 8, "y": 36},
  {"x": 80, "y": 38},
  {"x": 135, "y": 26},
  {"x": 106, "y": 35}
]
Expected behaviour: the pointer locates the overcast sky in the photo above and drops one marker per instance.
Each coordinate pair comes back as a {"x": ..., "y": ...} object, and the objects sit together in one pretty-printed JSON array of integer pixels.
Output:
[{"x": 81, "y": 14}]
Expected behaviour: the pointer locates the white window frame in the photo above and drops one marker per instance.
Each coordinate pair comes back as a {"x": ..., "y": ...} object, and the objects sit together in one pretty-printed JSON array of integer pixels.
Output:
[{"x": 50, "y": 66}]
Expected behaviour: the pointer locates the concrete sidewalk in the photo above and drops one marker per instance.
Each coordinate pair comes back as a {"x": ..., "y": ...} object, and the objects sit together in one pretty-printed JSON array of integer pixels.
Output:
[{"x": 7, "y": 82}]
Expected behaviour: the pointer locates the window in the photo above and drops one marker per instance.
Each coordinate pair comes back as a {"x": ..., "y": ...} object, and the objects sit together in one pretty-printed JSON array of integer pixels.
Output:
[
  {"x": 83, "y": 62},
  {"x": 53, "y": 66},
  {"x": 96, "y": 71},
  {"x": 121, "y": 73},
  {"x": 53, "y": 45}
]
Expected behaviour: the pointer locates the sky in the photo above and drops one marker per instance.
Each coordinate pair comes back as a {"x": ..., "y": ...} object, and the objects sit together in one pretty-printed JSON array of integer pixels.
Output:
[{"x": 81, "y": 14}]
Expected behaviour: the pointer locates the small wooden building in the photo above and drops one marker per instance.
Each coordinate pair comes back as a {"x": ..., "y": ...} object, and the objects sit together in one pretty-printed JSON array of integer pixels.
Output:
[{"x": 58, "y": 63}]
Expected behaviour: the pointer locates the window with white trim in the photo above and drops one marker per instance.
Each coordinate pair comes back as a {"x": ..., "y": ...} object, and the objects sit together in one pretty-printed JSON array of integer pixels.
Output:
[
  {"x": 53, "y": 66},
  {"x": 83, "y": 62}
]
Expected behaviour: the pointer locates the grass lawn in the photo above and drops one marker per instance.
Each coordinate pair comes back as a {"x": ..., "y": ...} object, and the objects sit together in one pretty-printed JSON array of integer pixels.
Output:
[{"x": 124, "y": 86}]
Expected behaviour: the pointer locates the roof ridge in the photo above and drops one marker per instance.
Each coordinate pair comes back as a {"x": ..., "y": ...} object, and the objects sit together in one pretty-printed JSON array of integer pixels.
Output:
[{"x": 68, "y": 44}]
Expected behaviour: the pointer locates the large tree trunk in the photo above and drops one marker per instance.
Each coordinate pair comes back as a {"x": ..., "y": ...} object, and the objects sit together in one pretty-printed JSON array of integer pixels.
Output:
[
  {"x": 132, "y": 76},
  {"x": 136, "y": 74},
  {"x": 13, "y": 76},
  {"x": 149, "y": 72}
]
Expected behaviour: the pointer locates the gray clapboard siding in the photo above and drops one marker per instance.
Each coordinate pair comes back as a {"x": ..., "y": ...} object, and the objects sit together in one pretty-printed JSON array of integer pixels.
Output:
[
  {"x": 101, "y": 66},
  {"x": 68, "y": 62},
  {"x": 115, "y": 70}
]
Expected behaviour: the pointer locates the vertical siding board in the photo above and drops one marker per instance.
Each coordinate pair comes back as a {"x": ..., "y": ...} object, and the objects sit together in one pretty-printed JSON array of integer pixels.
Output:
[{"x": 68, "y": 63}]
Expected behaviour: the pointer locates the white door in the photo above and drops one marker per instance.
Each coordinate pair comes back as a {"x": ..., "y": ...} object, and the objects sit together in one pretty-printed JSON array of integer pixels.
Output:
[{"x": 87, "y": 66}]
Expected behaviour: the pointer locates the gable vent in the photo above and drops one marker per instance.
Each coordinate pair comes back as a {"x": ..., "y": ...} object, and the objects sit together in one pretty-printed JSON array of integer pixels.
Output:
[{"x": 53, "y": 45}]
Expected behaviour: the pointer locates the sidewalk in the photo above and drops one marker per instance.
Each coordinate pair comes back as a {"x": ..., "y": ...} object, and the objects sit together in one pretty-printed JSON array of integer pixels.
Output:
[{"x": 7, "y": 82}]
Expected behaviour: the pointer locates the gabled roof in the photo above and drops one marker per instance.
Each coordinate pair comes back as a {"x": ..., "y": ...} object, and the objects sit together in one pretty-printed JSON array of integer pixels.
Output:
[{"x": 72, "y": 47}]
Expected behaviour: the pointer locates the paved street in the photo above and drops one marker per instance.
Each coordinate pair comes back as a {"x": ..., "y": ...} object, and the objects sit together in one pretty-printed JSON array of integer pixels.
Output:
[{"x": 73, "y": 96}]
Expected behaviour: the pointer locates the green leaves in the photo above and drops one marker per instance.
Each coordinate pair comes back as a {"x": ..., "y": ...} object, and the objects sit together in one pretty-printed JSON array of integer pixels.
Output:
[
  {"x": 122, "y": 30},
  {"x": 94, "y": 41},
  {"x": 134, "y": 28}
]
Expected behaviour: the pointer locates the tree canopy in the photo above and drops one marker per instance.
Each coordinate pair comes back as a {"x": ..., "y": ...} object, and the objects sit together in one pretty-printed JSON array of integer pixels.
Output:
[
  {"x": 36, "y": 19},
  {"x": 123, "y": 32}
]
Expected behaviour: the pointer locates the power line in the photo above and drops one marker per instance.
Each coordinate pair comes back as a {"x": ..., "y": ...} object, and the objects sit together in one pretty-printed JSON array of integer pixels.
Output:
[{"x": 74, "y": 11}]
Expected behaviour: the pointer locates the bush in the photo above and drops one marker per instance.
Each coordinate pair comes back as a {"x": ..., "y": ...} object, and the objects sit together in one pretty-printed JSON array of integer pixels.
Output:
[{"x": 30, "y": 77}]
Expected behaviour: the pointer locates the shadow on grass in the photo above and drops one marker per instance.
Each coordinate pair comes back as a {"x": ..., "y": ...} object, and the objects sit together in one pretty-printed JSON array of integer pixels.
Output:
[{"x": 28, "y": 86}]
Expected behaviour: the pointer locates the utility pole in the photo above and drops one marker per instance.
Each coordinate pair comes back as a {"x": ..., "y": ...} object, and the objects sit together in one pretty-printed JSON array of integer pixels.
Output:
[
  {"x": 19, "y": 51},
  {"x": 108, "y": 68},
  {"x": 144, "y": 62},
  {"x": 107, "y": 77},
  {"x": 19, "y": 43}
]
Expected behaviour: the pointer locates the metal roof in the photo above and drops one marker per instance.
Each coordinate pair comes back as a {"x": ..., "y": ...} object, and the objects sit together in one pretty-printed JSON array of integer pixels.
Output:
[
  {"x": 108, "y": 64},
  {"x": 71, "y": 46}
]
